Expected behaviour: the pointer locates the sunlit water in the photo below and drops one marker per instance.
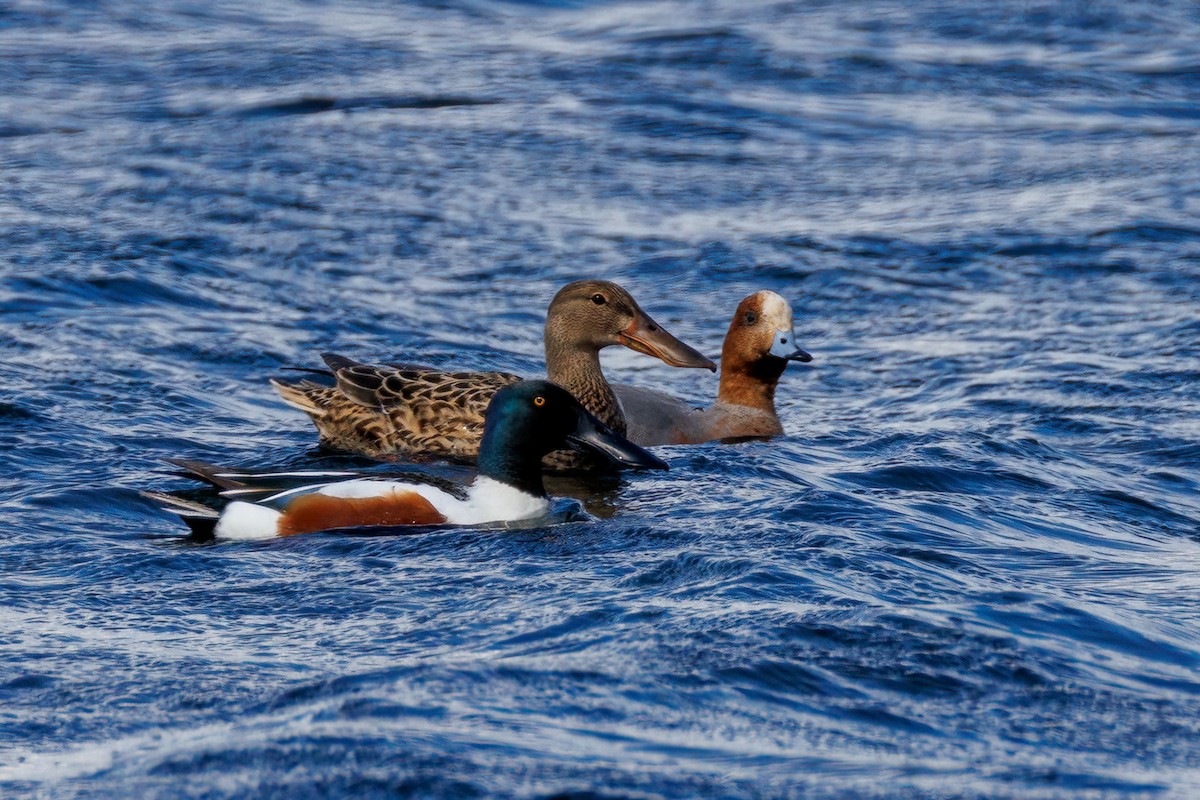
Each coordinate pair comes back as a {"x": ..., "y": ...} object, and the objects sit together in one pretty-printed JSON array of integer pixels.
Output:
[{"x": 971, "y": 568}]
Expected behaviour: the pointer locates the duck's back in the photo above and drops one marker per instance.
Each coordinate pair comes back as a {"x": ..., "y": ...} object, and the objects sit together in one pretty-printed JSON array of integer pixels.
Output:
[
  {"x": 654, "y": 418},
  {"x": 382, "y": 411}
]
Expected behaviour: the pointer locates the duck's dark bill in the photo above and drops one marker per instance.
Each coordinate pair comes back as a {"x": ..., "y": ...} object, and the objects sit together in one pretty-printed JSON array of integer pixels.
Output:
[
  {"x": 800, "y": 356},
  {"x": 593, "y": 434}
]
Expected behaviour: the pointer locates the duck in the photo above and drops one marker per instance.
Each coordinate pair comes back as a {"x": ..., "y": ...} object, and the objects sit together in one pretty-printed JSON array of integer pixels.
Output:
[
  {"x": 758, "y": 347},
  {"x": 524, "y": 421},
  {"x": 415, "y": 411}
]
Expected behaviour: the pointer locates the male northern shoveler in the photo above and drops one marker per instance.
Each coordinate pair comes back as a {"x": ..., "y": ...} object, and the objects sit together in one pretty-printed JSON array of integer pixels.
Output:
[
  {"x": 760, "y": 343},
  {"x": 410, "y": 410},
  {"x": 525, "y": 421}
]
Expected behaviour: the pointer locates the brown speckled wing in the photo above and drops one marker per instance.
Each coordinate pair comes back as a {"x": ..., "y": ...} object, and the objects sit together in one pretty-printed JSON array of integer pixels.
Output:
[
  {"x": 362, "y": 384},
  {"x": 382, "y": 411}
]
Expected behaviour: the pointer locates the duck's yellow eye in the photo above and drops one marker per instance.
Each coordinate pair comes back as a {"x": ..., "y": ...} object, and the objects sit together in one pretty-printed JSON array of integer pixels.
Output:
[{"x": 539, "y": 401}]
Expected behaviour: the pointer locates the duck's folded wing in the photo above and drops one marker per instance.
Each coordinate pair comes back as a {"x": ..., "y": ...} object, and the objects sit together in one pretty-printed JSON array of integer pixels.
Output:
[
  {"x": 416, "y": 387},
  {"x": 248, "y": 483},
  {"x": 201, "y": 519},
  {"x": 365, "y": 384},
  {"x": 654, "y": 418},
  {"x": 252, "y": 484}
]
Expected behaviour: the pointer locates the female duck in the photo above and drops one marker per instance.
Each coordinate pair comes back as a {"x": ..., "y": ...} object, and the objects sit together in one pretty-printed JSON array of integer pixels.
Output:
[
  {"x": 525, "y": 421},
  {"x": 410, "y": 410},
  {"x": 760, "y": 343}
]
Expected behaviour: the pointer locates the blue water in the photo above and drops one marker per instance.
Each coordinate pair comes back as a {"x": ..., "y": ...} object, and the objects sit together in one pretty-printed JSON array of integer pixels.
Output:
[{"x": 971, "y": 568}]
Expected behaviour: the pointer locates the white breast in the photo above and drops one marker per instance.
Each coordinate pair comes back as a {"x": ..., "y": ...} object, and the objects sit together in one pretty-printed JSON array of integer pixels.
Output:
[{"x": 489, "y": 500}]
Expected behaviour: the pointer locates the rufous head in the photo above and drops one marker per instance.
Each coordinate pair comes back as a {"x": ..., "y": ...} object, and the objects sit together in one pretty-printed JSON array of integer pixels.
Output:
[
  {"x": 762, "y": 329},
  {"x": 760, "y": 342}
]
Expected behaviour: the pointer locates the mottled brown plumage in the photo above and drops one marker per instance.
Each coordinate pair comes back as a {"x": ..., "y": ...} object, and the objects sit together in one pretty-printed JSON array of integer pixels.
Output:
[
  {"x": 383, "y": 412},
  {"x": 408, "y": 410}
]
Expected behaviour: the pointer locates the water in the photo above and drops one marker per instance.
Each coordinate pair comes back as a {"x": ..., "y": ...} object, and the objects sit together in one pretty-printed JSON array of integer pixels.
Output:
[{"x": 972, "y": 568}]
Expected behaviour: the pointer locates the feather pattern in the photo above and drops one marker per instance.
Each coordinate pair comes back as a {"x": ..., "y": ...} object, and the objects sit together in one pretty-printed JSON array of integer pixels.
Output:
[
  {"x": 524, "y": 423},
  {"x": 382, "y": 412},
  {"x": 403, "y": 409}
]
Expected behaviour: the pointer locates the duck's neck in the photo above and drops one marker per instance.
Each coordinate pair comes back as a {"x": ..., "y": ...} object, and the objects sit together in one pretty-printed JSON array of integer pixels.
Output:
[
  {"x": 577, "y": 369},
  {"x": 510, "y": 464},
  {"x": 750, "y": 383}
]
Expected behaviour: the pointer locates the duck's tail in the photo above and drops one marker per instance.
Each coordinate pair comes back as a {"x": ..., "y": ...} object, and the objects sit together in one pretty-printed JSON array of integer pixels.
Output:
[
  {"x": 239, "y": 520},
  {"x": 201, "y": 519},
  {"x": 299, "y": 395}
]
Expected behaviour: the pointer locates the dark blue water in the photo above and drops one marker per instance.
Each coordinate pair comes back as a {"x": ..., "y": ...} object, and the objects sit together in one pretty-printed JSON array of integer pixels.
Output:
[{"x": 971, "y": 569}]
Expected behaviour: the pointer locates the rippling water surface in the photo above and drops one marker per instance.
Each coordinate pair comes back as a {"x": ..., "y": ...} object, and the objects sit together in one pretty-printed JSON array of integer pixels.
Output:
[{"x": 971, "y": 568}]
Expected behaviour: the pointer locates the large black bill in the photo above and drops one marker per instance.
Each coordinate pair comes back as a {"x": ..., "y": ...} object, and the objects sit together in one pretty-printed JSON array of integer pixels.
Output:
[
  {"x": 800, "y": 356},
  {"x": 593, "y": 434}
]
